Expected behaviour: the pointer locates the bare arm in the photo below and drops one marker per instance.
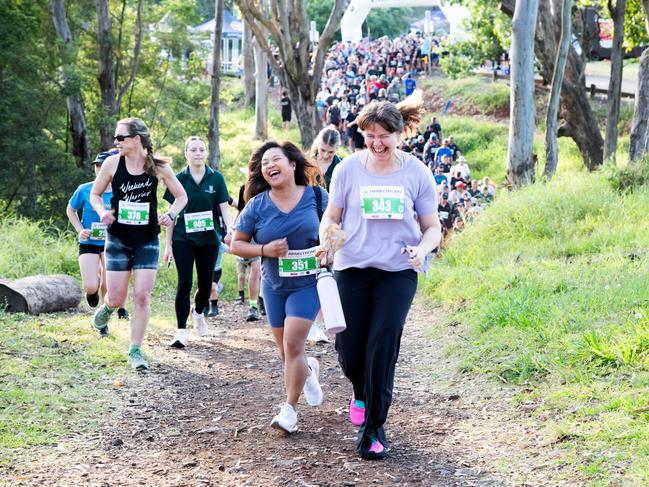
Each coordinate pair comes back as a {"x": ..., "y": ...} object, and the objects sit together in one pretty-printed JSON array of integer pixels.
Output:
[
  {"x": 103, "y": 179},
  {"x": 242, "y": 247},
  {"x": 430, "y": 240},
  {"x": 176, "y": 189},
  {"x": 227, "y": 216},
  {"x": 73, "y": 216}
]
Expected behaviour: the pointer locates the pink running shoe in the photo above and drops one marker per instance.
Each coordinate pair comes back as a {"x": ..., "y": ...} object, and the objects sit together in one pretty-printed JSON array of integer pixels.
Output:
[
  {"x": 356, "y": 413},
  {"x": 377, "y": 447}
]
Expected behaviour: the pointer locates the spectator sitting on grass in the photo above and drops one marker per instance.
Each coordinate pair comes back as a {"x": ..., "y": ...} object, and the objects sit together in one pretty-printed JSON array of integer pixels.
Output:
[
  {"x": 474, "y": 190},
  {"x": 463, "y": 168}
]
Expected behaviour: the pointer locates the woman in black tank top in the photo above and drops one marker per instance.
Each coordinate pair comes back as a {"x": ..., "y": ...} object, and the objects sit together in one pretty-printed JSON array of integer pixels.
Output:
[{"x": 133, "y": 226}]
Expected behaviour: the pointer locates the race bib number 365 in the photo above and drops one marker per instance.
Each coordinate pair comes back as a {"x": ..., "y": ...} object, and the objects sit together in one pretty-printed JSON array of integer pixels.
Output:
[
  {"x": 298, "y": 263},
  {"x": 130, "y": 213},
  {"x": 382, "y": 202},
  {"x": 199, "y": 222}
]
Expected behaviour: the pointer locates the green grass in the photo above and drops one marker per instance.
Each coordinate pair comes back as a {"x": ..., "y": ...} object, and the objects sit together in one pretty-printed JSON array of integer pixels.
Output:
[
  {"x": 479, "y": 93},
  {"x": 55, "y": 375},
  {"x": 552, "y": 285}
]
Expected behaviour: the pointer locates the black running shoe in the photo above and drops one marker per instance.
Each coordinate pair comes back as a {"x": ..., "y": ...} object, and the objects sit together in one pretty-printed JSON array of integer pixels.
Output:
[
  {"x": 122, "y": 314},
  {"x": 253, "y": 314},
  {"x": 93, "y": 299},
  {"x": 262, "y": 308},
  {"x": 214, "y": 311},
  {"x": 103, "y": 332},
  {"x": 240, "y": 300}
]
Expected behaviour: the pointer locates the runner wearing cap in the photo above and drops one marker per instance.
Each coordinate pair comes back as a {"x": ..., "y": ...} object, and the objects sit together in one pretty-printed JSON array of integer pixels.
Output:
[
  {"x": 282, "y": 217},
  {"x": 196, "y": 235},
  {"x": 132, "y": 245},
  {"x": 91, "y": 238}
]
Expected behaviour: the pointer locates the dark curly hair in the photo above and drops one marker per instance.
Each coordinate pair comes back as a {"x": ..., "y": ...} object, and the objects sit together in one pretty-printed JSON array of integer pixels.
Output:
[{"x": 305, "y": 169}]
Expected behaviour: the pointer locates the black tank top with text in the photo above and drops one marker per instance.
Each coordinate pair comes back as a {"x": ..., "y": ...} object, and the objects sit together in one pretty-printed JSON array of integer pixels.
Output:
[{"x": 134, "y": 197}]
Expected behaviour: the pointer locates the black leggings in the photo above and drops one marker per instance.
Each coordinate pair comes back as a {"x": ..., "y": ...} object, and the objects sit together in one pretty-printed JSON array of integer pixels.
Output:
[
  {"x": 376, "y": 304},
  {"x": 185, "y": 254}
]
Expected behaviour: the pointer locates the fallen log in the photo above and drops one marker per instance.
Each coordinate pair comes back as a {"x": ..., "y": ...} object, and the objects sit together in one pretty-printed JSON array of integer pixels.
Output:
[{"x": 39, "y": 294}]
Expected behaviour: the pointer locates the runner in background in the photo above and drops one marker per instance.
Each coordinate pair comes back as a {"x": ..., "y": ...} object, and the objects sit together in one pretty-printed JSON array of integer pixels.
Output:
[
  {"x": 285, "y": 103},
  {"x": 217, "y": 285},
  {"x": 282, "y": 217},
  {"x": 132, "y": 245},
  {"x": 92, "y": 236},
  {"x": 196, "y": 236},
  {"x": 386, "y": 201}
]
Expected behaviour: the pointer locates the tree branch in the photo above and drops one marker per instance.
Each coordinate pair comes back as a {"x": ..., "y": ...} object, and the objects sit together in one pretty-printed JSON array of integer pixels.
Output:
[{"x": 136, "y": 57}]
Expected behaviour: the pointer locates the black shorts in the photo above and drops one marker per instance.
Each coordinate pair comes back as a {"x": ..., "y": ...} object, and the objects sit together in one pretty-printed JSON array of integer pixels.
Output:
[
  {"x": 90, "y": 249},
  {"x": 286, "y": 116}
]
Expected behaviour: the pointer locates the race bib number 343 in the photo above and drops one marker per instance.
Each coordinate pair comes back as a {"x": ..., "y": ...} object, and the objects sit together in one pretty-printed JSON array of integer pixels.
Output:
[
  {"x": 382, "y": 202},
  {"x": 130, "y": 213},
  {"x": 298, "y": 263},
  {"x": 199, "y": 222}
]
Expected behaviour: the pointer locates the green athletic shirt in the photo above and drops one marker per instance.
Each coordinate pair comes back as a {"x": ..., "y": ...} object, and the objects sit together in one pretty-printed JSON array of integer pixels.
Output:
[{"x": 205, "y": 196}]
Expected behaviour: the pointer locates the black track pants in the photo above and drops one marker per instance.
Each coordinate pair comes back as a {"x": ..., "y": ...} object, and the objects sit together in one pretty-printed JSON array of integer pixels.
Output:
[
  {"x": 185, "y": 255},
  {"x": 376, "y": 304}
]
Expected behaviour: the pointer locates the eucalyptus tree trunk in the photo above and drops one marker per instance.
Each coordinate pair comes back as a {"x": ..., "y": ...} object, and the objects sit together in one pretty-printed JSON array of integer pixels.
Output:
[
  {"x": 520, "y": 159},
  {"x": 298, "y": 63},
  {"x": 248, "y": 66},
  {"x": 615, "y": 82},
  {"x": 111, "y": 99},
  {"x": 74, "y": 100},
  {"x": 639, "y": 141},
  {"x": 213, "y": 127},
  {"x": 579, "y": 121},
  {"x": 551, "y": 121},
  {"x": 261, "y": 92}
]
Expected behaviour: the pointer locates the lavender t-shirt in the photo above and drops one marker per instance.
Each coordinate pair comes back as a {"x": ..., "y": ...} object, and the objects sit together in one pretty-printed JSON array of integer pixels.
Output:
[{"x": 378, "y": 242}]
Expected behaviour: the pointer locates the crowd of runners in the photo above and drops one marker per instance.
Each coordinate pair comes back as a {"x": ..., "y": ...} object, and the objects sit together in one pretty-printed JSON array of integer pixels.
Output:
[{"x": 393, "y": 200}]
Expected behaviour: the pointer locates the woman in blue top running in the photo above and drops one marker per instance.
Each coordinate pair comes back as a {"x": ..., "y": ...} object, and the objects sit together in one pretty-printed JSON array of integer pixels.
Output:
[{"x": 282, "y": 217}]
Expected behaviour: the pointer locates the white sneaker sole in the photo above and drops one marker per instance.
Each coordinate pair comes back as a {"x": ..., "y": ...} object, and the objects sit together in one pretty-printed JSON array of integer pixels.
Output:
[
  {"x": 315, "y": 370},
  {"x": 276, "y": 424}
]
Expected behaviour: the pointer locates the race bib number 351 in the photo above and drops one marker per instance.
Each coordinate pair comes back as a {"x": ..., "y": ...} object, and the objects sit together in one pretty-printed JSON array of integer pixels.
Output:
[
  {"x": 133, "y": 213},
  {"x": 382, "y": 202},
  {"x": 199, "y": 222},
  {"x": 298, "y": 263}
]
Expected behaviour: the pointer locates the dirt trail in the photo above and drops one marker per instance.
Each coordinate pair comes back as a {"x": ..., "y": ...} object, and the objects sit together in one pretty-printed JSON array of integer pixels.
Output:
[{"x": 201, "y": 416}]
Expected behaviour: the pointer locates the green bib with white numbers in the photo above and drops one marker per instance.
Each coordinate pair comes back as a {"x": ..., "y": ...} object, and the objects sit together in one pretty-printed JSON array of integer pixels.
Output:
[
  {"x": 298, "y": 263},
  {"x": 202, "y": 221},
  {"x": 133, "y": 213},
  {"x": 382, "y": 202},
  {"x": 97, "y": 231}
]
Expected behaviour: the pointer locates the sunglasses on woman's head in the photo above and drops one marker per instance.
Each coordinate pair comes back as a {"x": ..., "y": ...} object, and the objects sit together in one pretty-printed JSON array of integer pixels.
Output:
[{"x": 121, "y": 138}]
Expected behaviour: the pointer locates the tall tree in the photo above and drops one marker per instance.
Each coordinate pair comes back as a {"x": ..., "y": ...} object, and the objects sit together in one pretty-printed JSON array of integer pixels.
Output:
[
  {"x": 261, "y": 91},
  {"x": 551, "y": 145},
  {"x": 579, "y": 121},
  {"x": 520, "y": 158},
  {"x": 71, "y": 85},
  {"x": 109, "y": 67},
  {"x": 639, "y": 140},
  {"x": 298, "y": 66},
  {"x": 248, "y": 66},
  {"x": 617, "y": 12},
  {"x": 213, "y": 128}
]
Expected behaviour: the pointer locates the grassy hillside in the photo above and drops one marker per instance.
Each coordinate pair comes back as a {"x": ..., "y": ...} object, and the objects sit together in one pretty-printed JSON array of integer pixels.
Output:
[{"x": 551, "y": 284}]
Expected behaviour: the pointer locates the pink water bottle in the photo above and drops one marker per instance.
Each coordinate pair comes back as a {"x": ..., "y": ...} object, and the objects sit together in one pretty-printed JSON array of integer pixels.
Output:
[{"x": 332, "y": 309}]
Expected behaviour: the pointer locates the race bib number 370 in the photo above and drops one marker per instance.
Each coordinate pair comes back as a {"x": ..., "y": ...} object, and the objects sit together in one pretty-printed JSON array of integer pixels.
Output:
[
  {"x": 382, "y": 202},
  {"x": 199, "y": 222},
  {"x": 298, "y": 263},
  {"x": 130, "y": 213}
]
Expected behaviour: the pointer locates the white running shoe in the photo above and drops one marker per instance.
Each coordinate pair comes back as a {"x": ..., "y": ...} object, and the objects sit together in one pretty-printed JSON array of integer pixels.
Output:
[
  {"x": 199, "y": 323},
  {"x": 312, "y": 390},
  {"x": 180, "y": 339},
  {"x": 286, "y": 420},
  {"x": 317, "y": 334}
]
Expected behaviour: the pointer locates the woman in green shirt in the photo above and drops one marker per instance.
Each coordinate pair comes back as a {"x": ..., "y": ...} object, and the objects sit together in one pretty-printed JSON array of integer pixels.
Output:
[
  {"x": 323, "y": 150},
  {"x": 195, "y": 236}
]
